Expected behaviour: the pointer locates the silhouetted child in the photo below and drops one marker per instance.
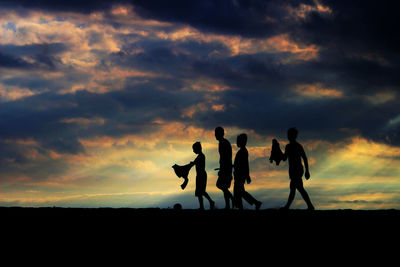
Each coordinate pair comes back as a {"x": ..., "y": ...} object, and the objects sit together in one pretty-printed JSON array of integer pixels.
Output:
[
  {"x": 295, "y": 152},
  {"x": 276, "y": 152},
  {"x": 241, "y": 174},
  {"x": 201, "y": 176}
]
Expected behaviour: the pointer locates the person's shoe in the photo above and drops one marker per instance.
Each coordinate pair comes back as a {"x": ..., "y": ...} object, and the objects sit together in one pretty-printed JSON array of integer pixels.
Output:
[
  {"x": 311, "y": 208},
  {"x": 233, "y": 204},
  {"x": 258, "y": 205}
]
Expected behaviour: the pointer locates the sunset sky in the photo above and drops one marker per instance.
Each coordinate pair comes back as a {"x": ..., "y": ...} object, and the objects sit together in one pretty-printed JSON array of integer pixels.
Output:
[{"x": 98, "y": 99}]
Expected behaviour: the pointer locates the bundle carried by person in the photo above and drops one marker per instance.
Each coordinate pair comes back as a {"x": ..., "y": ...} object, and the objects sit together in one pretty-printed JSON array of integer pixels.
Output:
[
  {"x": 276, "y": 152},
  {"x": 183, "y": 172}
]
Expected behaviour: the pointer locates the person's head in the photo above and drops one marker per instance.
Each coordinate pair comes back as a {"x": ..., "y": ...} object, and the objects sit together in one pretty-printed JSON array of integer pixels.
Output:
[
  {"x": 292, "y": 134},
  {"x": 196, "y": 147},
  {"x": 219, "y": 133},
  {"x": 241, "y": 140},
  {"x": 274, "y": 141}
]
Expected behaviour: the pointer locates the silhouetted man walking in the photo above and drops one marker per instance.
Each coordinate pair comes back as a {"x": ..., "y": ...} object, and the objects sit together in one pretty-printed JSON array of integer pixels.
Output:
[
  {"x": 295, "y": 152},
  {"x": 242, "y": 174},
  {"x": 225, "y": 166}
]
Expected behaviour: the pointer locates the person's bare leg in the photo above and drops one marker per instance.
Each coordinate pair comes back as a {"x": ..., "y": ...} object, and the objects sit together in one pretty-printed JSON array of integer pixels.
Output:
[
  {"x": 251, "y": 200},
  {"x": 291, "y": 195},
  {"x": 290, "y": 198},
  {"x": 212, "y": 203},
  {"x": 306, "y": 198},
  {"x": 228, "y": 197},
  {"x": 201, "y": 202}
]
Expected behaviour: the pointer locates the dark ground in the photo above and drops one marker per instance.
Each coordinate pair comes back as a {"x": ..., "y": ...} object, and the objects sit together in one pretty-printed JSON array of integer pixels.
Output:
[
  {"x": 155, "y": 219},
  {"x": 248, "y": 233}
]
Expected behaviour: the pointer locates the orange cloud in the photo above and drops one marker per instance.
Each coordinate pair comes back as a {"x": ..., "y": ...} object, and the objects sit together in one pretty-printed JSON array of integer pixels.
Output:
[
  {"x": 11, "y": 93},
  {"x": 84, "y": 121},
  {"x": 217, "y": 108},
  {"x": 282, "y": 43},
  {"x": 205, "y": 85},
  {"x": 241, "y": 45},
  {"x": 316, "y": 91},
  {"x": 302, "y": 11}
]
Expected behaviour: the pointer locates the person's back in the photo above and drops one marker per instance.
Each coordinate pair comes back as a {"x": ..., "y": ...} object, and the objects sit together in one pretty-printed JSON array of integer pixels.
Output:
[
  {"x": 294, "y": 152},
  {"x": 241, "y": 165},
  {"x": 225, "y": 152},
  {"x": 200, "y": 163}
]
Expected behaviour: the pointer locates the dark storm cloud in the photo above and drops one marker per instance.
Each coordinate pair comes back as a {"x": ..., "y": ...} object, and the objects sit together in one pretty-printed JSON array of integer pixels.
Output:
[
  {"x": 260, "y": 84},
  {"x": 27, "y": 159},
  {"x": 254, "y": 18},
  {"x": 41, "y": 117},
  {"x": 365, "y": 23},
  {"x": 39, "y": 82},
  {"x": 247, "y": 18},
  {"x": 85, "y": 6},
  {"x": 10, "y": 61},
  {"x": 44, "y": 118},
  {"x": 323, "y": 119},
  {"x": 42, "y": 56},
  {"x": 262, "y": 98},
  {"x": 361, "y": 26},
  {"x": 49, "y": 49}
]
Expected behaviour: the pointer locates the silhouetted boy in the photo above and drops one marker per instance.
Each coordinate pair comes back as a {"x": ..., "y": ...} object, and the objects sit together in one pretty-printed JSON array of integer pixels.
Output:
[
  {"x": 276, "y": 152},
  {"x": 295, "y": 152},
  {"x": 225, "y": 166},
  {"x": 201, "y": 175},
  {"x": 241, "y": 174}
]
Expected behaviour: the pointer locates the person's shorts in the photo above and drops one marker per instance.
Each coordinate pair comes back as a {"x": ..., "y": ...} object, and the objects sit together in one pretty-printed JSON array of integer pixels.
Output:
[
  {"x": 296, "y": 183},
  {"x": 201, "y": 183},
  {"x": 224, "y": 180},
  {"x": 296, "y": 173}
]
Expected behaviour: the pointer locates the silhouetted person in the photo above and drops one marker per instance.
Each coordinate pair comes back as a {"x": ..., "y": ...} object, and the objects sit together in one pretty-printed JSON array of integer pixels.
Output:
[
  {"x": 241, "y": 174},
  {"x": 276, "y": 152},
  {"x": 295, "y": 152},
  {"x": 225, "y": 166},
  {"x": 201, "y": 176}
]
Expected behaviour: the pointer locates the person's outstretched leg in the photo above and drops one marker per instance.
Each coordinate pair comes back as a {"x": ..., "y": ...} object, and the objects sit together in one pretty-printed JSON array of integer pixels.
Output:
[
  {"x": 290, "y": 198},
  {"x": 201, "y": 202},
  {"x": 228, "y": 197},
  {"x": 251, "y": 200},
  {"x": 291, "y": 194},
  {"x": 306, "y": 198},
  {"x": 238, "y": 190},
  {"x": 212, "y": 203},
  {"x": 238, "y": 202}
]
